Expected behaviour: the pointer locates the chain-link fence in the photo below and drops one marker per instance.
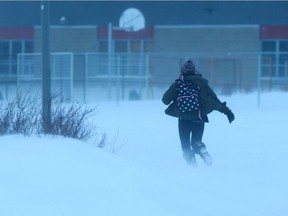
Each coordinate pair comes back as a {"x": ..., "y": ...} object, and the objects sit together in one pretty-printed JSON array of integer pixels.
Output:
[
  {"x": 29, "y": 74},
  {"x": 98, "y": 76}
]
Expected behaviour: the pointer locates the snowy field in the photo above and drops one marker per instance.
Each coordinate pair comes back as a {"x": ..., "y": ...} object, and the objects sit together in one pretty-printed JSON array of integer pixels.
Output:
[{"x": 141, "y": 172}]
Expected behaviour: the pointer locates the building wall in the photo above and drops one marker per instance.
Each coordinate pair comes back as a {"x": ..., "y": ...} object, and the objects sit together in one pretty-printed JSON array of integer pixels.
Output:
[
  {"x": 207, "y": 38},
  {"x": 210, "y": 47},
  {"x": 69, "y": 39},
  {"x": 225, "y": 54}
]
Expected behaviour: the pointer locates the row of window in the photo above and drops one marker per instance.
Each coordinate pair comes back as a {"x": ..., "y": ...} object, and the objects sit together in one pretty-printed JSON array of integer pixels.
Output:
[
  {"x": 10, "y": 49},
  {"x": 275, "y": 58},
  {"x": 274, "y": 46},
  {"x": 274, "y": 53},
  {"x": 8, "y": 54}
]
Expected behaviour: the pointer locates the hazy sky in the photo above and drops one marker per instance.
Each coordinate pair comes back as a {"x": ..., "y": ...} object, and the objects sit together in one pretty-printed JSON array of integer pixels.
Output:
[{"x": 27, "y": 13}]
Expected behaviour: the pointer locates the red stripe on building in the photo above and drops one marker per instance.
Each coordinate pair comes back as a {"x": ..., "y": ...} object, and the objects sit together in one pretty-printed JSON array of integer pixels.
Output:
[
  {"x": 16, "y": 33},
  {"x": 146, "y": 33},
  {"x": 274, "y": 32}
]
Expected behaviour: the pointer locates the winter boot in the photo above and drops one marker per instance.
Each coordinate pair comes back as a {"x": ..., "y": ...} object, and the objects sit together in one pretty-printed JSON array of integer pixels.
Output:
[
  {"x": 189, "y": 156},
  {"x": 202, "y": 151}
]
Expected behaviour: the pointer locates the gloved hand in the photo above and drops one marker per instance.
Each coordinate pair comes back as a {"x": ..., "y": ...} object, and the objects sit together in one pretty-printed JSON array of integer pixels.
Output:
[{"x": 230, "y": 116}]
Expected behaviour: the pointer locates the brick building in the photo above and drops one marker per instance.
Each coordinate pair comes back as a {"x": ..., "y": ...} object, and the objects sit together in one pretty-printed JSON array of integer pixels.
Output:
[{"x": 228, "y": 41}]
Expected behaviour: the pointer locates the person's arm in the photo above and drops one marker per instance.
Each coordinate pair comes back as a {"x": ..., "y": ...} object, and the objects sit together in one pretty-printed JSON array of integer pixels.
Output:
[
  {"x": 170, "y": 94},
  {"x": 220, "y": 106}
]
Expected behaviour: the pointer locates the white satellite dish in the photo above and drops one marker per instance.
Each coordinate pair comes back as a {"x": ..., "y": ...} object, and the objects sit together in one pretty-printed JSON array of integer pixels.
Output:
[{"x": 132, "y": 20}]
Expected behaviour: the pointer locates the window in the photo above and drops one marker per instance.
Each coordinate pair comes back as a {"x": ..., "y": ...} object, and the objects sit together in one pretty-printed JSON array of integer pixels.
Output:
[
  {"x": 4, "y": 57},
  {"x": 28, "y": 47},
  {"x": 275, "y": 58},
  {"x": 269, "y": 46},
  {"x": 121, "y": 46},
  {"x": 103, "y": 46},
  {"x": 4, "y": 50},
  {"x": 16, "y": 48},
  {"x": 268, "y": 59},
  {"x": 148, "y": 46},
  {"x": 136, "y": 46},
  {"x": 9, "y": 50},
  {"x": 283, "y": 65},
  {"x": 283, "y": 46}
]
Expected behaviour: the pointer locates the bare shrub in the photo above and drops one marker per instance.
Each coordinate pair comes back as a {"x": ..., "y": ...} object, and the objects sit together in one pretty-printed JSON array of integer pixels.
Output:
[
  {"x": 20, "y": 116},
  {"x": 71, "y": 120},
  {"x": 23, "y": 116}
]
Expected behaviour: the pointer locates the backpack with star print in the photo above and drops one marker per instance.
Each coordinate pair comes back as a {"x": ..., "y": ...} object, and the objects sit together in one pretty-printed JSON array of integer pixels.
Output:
[{"x": 187, "y": 97}]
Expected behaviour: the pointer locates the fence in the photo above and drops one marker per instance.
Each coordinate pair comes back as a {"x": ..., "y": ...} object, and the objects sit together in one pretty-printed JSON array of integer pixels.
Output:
[
  {"x": 29, "y": 73},
  {"x": 115, "y": 76},
  {"x": 97, "y": 76},
  {"x": 88, "y": 76}
]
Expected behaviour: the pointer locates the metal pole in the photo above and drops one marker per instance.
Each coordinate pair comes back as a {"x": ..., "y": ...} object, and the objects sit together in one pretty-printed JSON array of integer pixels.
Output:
[
  {"x": 259, "y": 76},
  {"x": 46, "y": 73},
  {"x": 110, "y": 49},
  {"x": 85, "y": 78},
  {"x": 118, "y": 79},
  {"x": 147, "y": 76}
]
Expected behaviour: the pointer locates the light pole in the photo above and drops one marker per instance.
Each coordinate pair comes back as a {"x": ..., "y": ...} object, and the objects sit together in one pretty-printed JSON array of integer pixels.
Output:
[
  {"x": 111, "y": 60},
  {"x": 46, "y": 73}
]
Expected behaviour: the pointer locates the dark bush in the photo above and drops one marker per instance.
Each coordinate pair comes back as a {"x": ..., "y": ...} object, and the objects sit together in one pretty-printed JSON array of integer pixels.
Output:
[
  {"x": 23, "y": 116},
  {"x": 71, "y": 120},
  {"x": 20, "y": 116}
]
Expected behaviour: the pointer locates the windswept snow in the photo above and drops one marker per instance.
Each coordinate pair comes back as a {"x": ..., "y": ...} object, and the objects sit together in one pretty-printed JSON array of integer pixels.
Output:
[{"x": 141, "y": 172}]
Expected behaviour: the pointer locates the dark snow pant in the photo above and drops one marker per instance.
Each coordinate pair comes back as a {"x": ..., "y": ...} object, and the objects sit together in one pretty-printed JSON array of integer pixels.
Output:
[{"x": 190, "y": 133}]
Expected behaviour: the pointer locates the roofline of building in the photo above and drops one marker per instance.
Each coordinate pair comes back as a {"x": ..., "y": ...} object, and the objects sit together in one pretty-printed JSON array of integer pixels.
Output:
[
  {"x": 205, "y": 26},
  {"x": 69, "y": 26}
]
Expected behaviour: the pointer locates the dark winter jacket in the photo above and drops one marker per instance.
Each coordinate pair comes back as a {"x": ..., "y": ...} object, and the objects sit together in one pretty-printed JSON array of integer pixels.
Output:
[{"x": 208, "y": 99}]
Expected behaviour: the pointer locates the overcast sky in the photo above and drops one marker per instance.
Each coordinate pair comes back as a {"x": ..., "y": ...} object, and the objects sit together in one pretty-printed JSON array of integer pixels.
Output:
[{"x": 27, "y": 13}]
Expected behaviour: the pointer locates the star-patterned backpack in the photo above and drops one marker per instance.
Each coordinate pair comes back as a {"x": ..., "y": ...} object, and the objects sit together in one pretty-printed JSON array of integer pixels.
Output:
[{"x": 188, "y": 96}]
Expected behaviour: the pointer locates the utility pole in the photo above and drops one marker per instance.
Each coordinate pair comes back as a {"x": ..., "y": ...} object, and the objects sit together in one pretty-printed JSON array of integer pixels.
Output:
[{"x": 46, "y": 72}]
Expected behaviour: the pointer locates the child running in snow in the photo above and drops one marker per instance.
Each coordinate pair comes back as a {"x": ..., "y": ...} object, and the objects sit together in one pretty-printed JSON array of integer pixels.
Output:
[{"x": 191, "y": 123}]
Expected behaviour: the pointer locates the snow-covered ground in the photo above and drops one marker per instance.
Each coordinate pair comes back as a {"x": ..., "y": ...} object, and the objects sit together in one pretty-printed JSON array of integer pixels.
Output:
[{"x": 141, "y": 172}]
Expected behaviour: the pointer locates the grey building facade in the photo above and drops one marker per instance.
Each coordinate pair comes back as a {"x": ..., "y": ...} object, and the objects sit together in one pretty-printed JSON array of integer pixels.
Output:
[{"x": 229, "y": 41}]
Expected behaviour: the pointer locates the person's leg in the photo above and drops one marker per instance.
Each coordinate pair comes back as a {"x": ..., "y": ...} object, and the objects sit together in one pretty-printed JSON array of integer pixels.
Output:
[
  {"x": 197, "y": 129},
  {"x": 196, "y": 142},
  {"x": 184, "y": 127},
  {"x": 184, "y": 134}
]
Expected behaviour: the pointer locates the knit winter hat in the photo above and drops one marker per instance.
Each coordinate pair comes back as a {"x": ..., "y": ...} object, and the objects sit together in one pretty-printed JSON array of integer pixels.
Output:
[{"x": 188, "y": 67}]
